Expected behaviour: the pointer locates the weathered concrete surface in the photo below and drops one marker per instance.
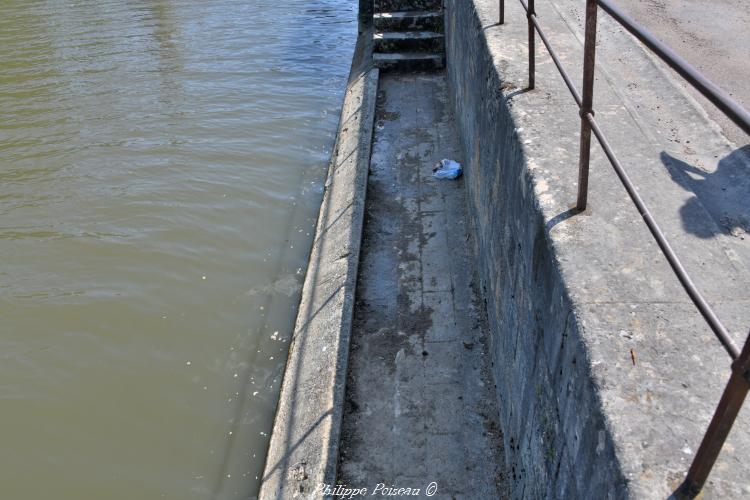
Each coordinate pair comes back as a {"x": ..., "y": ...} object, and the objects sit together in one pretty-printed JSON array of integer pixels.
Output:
[
  {"x": 409, "y": 20},
  {"x": 606, "y": 375},
  {"x": 304, "y": 443},
  {"x": 403, "y": 5},
  {"x": 409, "y": 41},
  {"x": 408, "y": 35},
  {"x": 420, "y": 392},
  {"x": 712, "y": 36}
]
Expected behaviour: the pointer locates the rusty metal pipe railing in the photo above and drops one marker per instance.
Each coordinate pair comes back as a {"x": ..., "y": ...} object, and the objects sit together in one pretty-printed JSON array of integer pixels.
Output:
[
  {"x": 687, "y": 283},
  {"x": 739, "y": 383},
  {"x": 530, "y": 14},
  {"x": 588, "y": 123},
  {"x": 586, "y": 110},
  {"x": 718, "y": 97},
  {"x": 555, "y": 58},
  {"x": 721, "y": 423},
  {"x": 739, "y": 115}
]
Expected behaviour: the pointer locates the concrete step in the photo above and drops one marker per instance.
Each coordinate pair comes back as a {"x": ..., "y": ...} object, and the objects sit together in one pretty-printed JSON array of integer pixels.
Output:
[
  {"x": 409, "y": 20},
  {"x": 408, "y": 41},
  {"x": 409, "y": 61},
  {"x": 402, "y": 5}
]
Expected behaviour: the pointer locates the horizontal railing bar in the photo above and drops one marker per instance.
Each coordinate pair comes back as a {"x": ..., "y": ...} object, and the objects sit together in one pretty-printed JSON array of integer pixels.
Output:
[
  {"x": 555, "y": 59},
  {"x": 733, "y": 110},
  {"x": 705, "y": 309},
  {"x": 697, "y": 298},
  {"x": 737, "y": 388}
]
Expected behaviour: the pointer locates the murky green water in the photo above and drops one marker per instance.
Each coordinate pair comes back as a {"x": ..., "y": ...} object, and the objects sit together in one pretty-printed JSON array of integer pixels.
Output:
[{"x": 161, "y": 166}]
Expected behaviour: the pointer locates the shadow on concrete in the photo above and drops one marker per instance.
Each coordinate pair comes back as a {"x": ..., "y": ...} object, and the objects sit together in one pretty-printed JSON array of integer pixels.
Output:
[
  {"x": 724, "y": 194},
  {"x": 511, "y": 95},
  {"x": 562, "y": 217},
  {"x": 284, "y": 462}
]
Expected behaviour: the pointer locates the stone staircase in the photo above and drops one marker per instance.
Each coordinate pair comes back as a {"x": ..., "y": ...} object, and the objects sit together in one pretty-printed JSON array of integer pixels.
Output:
[{"x": 408, "y": 35}]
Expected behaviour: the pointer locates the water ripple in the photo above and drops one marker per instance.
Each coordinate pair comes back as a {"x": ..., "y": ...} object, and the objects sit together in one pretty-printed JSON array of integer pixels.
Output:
[{"x": 161, "y": 164}]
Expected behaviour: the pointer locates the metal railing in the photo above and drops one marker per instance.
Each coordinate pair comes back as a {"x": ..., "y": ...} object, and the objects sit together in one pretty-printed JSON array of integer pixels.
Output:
[{"x": 739, "y": 382}]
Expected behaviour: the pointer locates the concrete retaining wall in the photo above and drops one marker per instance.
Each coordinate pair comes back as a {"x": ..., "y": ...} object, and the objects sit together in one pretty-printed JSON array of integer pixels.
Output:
[
  {"x": 555, "y": 438},
  {"x": 606, "y": 375}
]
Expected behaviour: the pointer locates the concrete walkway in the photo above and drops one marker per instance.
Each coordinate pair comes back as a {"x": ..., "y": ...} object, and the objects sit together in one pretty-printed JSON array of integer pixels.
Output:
[
  {"x": 712, "y": 37},
  {"x": 421, "y": 404}
]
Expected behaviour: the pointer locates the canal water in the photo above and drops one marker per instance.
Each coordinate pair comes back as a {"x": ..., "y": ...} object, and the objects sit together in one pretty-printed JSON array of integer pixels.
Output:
[{"x": 161, "y": 167}]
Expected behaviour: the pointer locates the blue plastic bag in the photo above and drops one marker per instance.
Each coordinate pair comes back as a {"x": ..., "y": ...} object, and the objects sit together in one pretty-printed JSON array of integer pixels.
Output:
[{"x": 447, "y": 169}]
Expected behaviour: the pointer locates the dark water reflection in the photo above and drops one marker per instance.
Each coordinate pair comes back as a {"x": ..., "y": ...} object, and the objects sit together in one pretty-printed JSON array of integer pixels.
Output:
[{"x": 161, "y": 165}]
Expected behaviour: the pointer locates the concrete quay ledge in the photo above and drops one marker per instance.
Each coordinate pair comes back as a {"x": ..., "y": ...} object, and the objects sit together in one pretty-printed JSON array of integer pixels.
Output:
[
  {"x": 303, "y": 449},
  {"x": 606, "y": 374}
]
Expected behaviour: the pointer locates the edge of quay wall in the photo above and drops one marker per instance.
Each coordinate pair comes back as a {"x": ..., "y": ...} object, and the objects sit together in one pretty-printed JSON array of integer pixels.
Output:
[
  {"x": 606, "y": 374},
  {"x": 303, "y": 450}
]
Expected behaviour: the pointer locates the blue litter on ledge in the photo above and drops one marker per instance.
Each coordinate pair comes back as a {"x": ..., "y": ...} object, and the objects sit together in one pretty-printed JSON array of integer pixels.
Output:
[{"x": 447, "y": 169}]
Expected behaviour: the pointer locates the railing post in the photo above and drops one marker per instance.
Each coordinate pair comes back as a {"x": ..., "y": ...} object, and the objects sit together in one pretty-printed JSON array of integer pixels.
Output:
[
  {"x": 721, "y": 423},
  {"x": 501, "y": 8},
  {"x": 532, "y": 39},
  {"x": 587, "y": 100}
]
